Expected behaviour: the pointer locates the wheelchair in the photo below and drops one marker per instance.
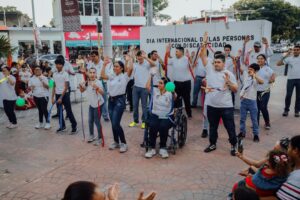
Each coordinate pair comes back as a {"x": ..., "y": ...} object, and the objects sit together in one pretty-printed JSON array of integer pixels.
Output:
[{"x": 177, "y": 134}]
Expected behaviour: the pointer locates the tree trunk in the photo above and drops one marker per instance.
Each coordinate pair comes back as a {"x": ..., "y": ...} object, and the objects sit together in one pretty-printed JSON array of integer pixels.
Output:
[{"x": 106, "y": 29}]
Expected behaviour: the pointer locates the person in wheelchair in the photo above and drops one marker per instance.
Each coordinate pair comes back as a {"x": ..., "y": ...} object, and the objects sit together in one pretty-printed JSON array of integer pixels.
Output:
[{"x": 160, "y": 116}]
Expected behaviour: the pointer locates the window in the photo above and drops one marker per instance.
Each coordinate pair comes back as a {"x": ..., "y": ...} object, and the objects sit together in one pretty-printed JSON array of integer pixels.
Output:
[
  {"x": 127, "y": 10},
  {"x": 119, "y": 9},
  {"x": 136, "y": 10},
  {"x": 116, "y": 7},
  {"x": 96, "y": 8},
  {"x": 81, "y": 10},
  {"x": 111, "y": 8},
  {"x": 88, "y": 8}
]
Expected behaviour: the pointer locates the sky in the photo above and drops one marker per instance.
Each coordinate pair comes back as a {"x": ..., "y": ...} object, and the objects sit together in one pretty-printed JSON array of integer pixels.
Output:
[{"x": 176, "y": 9}]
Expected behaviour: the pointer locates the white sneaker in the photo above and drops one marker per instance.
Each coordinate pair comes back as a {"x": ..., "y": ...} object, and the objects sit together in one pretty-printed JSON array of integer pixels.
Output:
[
  {"x": 13, "y": 126},
  {"x": 39, "y": 125},
  {"x": 150, "y": 153},
  {"x": 163, "y": 153},
  {"x": 91, "y": 139},
  {"x": 114, "y": 146},
  {"x": 98, "y": 142},
  {"x": 8, "y": 125},
  {"x": 123, "y": 148},
  {"x": 47, "y": 126}
]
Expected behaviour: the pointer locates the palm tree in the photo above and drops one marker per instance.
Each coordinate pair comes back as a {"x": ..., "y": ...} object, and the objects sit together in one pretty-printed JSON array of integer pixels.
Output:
[
  {"x": 5, "y": 47},
  {"x": 107, "y": 39}
]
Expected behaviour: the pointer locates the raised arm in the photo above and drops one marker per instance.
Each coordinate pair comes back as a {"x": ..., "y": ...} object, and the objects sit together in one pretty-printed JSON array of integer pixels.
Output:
[
  {"x": 243, "y": 55},
  {"x": 280, "y": 62},
  {"x": 103, "y": 74},
  {"x": 268, "y": 50},
  {"x": 151, "y": 62},
  {"x": 203, "y": 52},
  {"x": 129, "y": 65}
]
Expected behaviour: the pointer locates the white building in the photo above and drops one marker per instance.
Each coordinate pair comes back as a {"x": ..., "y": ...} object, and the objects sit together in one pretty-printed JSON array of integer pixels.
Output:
[{"x": 127, "y": 16}]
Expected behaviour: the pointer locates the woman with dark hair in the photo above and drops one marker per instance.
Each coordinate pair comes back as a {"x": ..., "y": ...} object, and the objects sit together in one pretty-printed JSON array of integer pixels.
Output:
[
  {"x": 9, "y": 96},
  {"x": 116, "y": 103},
  {"x": 160, "y": 119},
  {"x": 83, "y": 190},
  {"x": 263, "y": 90},
  {"x": 40, "y": 89}
]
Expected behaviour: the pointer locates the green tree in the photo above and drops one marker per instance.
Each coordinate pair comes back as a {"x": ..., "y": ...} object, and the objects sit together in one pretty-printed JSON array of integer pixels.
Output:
[
  {"x": 5, "y": 47},
  {"x": 158, "y": 6},
  {"x": 284, "y": 16}
]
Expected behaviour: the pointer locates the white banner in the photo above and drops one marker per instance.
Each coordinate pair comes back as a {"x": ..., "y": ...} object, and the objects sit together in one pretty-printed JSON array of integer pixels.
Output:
[{"x": 190, "y": 35}]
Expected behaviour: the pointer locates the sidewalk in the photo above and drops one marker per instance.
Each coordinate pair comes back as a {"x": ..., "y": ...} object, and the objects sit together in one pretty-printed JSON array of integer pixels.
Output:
[{"x": 40, "y": 164}]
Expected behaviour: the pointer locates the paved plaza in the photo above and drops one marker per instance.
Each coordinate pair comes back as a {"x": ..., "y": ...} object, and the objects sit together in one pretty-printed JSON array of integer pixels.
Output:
[{"x": 41, "y": 164}]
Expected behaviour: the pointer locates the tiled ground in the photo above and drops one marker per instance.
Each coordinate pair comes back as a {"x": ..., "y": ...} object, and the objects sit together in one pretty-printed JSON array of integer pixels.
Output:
[{"x": 40, "y": 164}]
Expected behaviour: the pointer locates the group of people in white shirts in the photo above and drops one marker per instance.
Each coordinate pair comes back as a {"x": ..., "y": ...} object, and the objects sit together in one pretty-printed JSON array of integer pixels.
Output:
[{"x": 106, "y": 85}]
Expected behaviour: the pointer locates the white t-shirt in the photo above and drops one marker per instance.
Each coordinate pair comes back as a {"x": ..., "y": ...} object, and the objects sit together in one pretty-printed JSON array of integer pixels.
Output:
[
  {"x": 181, "y": 70},
  {"x": 156, "y": 71},
  {"x": 229, "y": 64},
  {"x": 249, "y": 87},
  {"x": 200, "y": 70},
  {"x": 39, "y": 90},
  {"x": 220, "y": 97},
  {"x": 97, "y": 66},
  {"x": 60, "y": 78},
  {"x": 8, "y": 90},
  {"x": 253, "y": 55},
  {"x": 141, "y": 74},
  {"x": 93, "y": 96},
  {"x": 116, "y": 85},
  {"x": 264, "y": 73},
  {"x": 24, "y": 76},
  {"x": 293, "y": 67},
  {"x": 162, "y": 104}
]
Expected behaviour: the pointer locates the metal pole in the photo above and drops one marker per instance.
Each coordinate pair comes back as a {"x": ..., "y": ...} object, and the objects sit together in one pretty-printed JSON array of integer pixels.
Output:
[
  {"x": 210, "y": 11},
  {"x": 34, "y": 31},
  {"x": 4, "y": 16}
]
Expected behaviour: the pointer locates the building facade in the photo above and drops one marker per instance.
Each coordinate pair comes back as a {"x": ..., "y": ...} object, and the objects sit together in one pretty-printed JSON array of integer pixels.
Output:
[{"x": 126, "y": 17}]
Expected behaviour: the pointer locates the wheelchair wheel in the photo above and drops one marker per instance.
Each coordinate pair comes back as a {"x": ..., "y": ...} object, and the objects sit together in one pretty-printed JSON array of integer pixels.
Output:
[{"x": 182, "y": 131}]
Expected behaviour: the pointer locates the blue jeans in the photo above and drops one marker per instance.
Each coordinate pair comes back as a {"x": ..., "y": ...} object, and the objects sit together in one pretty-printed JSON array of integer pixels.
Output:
[
  {"x": 116, "y": 106},
  {"x": 104, "y": 112},
  {"x": 139, "y": 93},
  {"x": 251, "y": 106},
  {"x": 94, "y": 118},
  {"x": 214, "y": 115},
  {"x": 197, "y": 87},
  {"x": 291, "y": 84}
]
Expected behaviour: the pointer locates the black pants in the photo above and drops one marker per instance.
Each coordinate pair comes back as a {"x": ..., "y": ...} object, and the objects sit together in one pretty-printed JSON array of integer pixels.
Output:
[
  {"x": 41, "y": 104},
  {"x": 9, "y": 109},
  {"x": 262, "y": 106},
  {"x": 129, "y": 93},
  {"x": 291, "y": 84},
  {"x": 159, "y": 125},
  {"x": 214, "y": 115},
  {"x": 183, "y": 89},
  {"x": 67, "y": 104}
]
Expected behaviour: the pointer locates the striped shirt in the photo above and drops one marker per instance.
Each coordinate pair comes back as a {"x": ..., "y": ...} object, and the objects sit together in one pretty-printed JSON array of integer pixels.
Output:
[{"x": 290, "y": 190}]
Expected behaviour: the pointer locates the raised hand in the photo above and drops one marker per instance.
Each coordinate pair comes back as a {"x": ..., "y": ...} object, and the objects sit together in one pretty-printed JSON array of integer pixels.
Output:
[
  {"x": 144, "y": 55},
  {"x": 205, "y": 37},
  {"x": 247, "y": 39},
  {"x": 264, "y": 40},
  {"x": 187, "y": 53},
  {"x": 168, "y": 48},
  {"x": 113, "y": 192},
  {"x": 150, "y": 196}
]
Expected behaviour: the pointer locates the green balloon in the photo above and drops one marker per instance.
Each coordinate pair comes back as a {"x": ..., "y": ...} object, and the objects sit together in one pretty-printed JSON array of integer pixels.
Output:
[
  {"x": 51, "y": 83},
  {"x": 170, "y": 87},
  {"x": 20, "y": 102}
]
